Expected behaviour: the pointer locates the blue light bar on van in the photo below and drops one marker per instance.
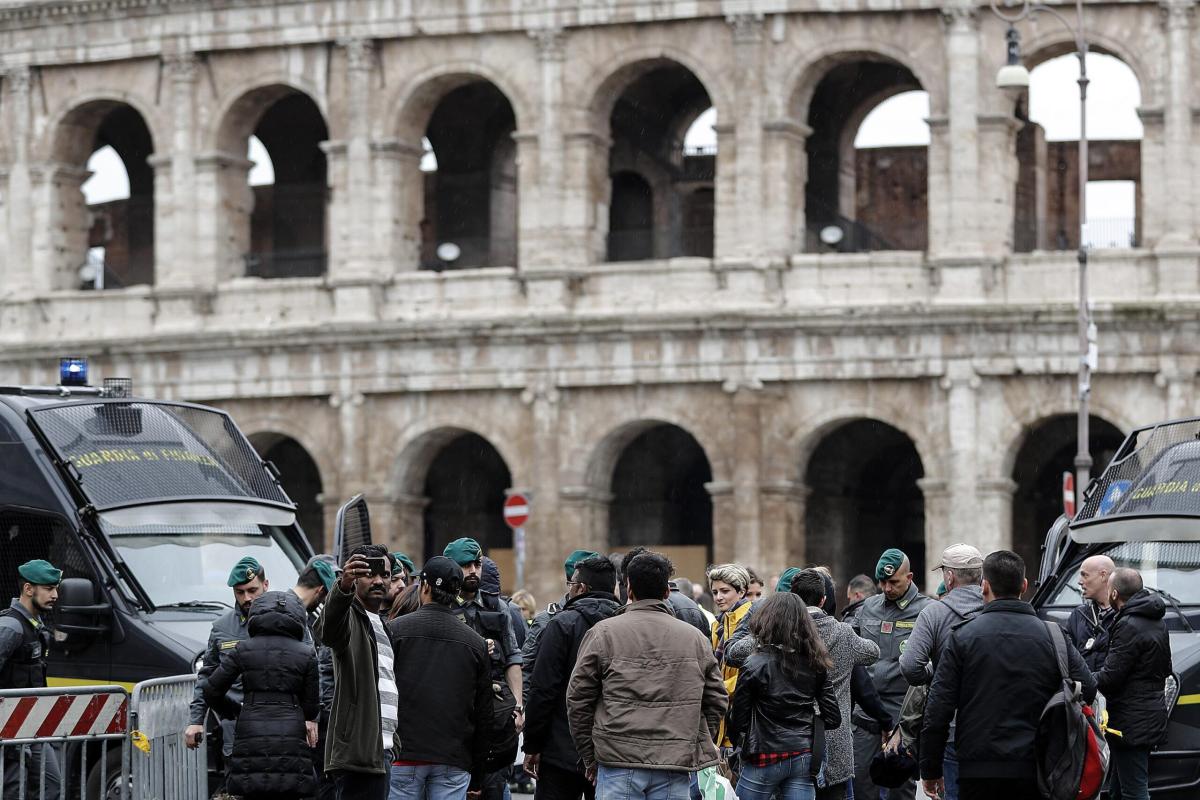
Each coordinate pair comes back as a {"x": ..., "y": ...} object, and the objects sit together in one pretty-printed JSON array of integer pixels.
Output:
[{"x": 73, "y": 372}]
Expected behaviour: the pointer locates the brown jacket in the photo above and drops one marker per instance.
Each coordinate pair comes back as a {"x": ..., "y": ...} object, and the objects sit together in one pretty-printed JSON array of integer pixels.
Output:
[{"x": 646, "y": 692}]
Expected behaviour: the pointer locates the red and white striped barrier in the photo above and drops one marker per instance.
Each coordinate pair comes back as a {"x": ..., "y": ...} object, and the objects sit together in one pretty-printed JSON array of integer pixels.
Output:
[{"x": 56, "y": 716}]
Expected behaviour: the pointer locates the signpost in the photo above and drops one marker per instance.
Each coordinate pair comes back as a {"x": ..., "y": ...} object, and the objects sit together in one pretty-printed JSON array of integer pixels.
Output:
[
  {"x": 516, "y": 514},
  {"x": 1068, "y": 486}
]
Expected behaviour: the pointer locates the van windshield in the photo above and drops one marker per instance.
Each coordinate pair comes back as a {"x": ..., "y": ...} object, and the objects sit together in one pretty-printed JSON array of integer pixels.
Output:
[
  {"x": 1173, "y": 567},
  {"x": 190, "y": 564}
]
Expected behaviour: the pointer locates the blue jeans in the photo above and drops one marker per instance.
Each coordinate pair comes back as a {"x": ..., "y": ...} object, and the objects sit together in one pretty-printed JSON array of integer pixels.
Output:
[
  {"x": 791, "y": 778},
  {"x": 950, "y": 771},
  {"x": 429, "y": 782},
  {"x": 620, "y": 783},
  {"x": 1129, "y": 773}
]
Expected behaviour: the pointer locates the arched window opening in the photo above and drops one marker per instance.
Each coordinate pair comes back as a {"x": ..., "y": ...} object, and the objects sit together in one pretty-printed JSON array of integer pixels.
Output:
[
  {"x": 465, "y": 485},
  {"x": 301, "y": 480},
  {"x": 1046, "y": 213},
  {"x": 263, "y": 171},
  {"x": 662, "y": 130},
  {"x": 864, "y": 499},
  {"x": 470, "y": 179},
  {"x": 1048, "y": 450},
  {"x": 660, "y": 499},
  {"x": 287, "y": 223},
  {"x": 105, "y": 236},
  {"x": 868, "y": 162}
]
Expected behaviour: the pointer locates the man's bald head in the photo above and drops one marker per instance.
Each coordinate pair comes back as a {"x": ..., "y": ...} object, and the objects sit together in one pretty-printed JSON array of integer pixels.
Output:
[
  {"x": 1124, "y": 583},
  {"x": 1093, "y": 578}
]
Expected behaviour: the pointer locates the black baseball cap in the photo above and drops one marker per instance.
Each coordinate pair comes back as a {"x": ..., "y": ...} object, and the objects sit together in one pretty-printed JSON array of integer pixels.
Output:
[{"x": 443, "y": 573}]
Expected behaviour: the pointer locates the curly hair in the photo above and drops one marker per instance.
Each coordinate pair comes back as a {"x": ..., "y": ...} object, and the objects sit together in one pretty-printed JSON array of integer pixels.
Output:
[{"x": 782, "y": 624}]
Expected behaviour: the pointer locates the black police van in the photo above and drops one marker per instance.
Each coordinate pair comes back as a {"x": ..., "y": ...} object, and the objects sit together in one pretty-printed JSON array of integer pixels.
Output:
[
  {"x": 1144, "y": 513},
  {"x": 145, "y": 506}
]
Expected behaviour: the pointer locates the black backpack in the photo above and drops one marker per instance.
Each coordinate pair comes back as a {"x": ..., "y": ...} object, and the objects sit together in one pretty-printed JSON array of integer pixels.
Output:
[{"x": 1072, "y": 755}]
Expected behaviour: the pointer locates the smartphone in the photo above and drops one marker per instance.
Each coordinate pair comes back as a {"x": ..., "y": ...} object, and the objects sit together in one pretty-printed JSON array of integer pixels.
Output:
[{"x": 378, "y": 566}]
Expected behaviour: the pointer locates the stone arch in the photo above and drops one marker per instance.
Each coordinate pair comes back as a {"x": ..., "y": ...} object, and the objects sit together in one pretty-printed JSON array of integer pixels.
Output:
[
  {"x": 1017, "y": 427},
  {"x": 801, "y": 82},
  {"x": 278, "y": 230},
  {"x": 271, "y": 425},
  {"x": 603, "y": 87},
  {"x": 115, "y": 238},
  {"x": 233, "y": 118},
  {"x": 301, "y": 478},
  {"x": 418, "y": 445},
  {"x": 1053, "y": 43},
  {"x": 1043, "y": 452},
  {"x": 600, "y": 458},
  {"x": 864, "y": 495},
  {"x": 413, "y": 104},
  {"x": 807, "y": 435},
  {"x": 468, "y": 116}
]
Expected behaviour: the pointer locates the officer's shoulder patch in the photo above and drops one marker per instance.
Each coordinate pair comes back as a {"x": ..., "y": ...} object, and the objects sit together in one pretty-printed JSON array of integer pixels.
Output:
[
  {"x": 905, "y": 623},
  {"x": 232, "y": 643}
]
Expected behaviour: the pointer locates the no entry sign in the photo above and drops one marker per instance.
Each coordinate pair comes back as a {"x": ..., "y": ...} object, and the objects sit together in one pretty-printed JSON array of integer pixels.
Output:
[{"x": 516, "y": 510}]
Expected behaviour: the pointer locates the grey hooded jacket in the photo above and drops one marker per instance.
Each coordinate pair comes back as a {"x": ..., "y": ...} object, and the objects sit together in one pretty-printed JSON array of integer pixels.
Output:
[{"x": 918, "y": 658}]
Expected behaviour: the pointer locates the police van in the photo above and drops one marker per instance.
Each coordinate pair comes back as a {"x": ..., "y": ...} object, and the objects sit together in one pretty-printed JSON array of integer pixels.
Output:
[
  {"x": 144, "y": 505},
  {"x": 1144, "y": 513}
]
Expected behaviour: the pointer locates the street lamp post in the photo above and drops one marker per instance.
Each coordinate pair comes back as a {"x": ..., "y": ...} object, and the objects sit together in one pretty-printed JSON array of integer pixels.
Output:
[{"x": 1013, "y": 75}]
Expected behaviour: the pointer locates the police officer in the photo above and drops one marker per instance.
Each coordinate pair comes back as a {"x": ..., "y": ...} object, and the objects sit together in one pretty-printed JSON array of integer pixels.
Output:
[
  {"x": 248, "y": 581},
  {"x": 24, "y": 639},
  {"x": 487, "y": 617},
  {"x": 887, "y": 619}
]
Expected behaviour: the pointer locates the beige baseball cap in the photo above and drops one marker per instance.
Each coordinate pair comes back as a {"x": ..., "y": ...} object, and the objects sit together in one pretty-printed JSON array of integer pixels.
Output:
[{"x": 960, "y": 556}]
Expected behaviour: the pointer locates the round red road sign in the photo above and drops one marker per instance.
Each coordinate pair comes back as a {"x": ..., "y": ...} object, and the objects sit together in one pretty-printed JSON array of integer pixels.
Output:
[{"x": 516, "y": 510}]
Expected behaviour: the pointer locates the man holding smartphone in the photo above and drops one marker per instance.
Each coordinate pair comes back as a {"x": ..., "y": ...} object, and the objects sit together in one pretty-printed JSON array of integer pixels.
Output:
[{"x": 362, "y": 721}]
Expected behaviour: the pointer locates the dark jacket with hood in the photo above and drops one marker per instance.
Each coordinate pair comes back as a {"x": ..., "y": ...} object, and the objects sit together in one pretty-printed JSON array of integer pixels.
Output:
[
  {"x": 547, "y": 731},
  {"x": 773, "y": 709},
  {"x": 935, "y": 623},
  {"x": 489, "y": 582},
  {"x": 1135, "y": 671},
  {"x": 1087, "y": 628},
  {"x": 278, "y": 670},
  {"x": 996, "y": 672}
]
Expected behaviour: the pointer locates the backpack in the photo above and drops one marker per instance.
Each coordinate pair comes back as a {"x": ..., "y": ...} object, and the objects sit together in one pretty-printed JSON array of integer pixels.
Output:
[{"x": 1072, "y": 755}]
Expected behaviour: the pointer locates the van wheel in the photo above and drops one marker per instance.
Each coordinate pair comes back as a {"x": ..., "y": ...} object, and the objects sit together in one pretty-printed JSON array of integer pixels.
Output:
[{"x": 111, "y": 790}]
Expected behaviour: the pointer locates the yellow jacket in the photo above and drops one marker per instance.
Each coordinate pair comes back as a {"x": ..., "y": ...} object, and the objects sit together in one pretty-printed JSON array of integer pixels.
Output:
[{"x": 722, "y": 632}]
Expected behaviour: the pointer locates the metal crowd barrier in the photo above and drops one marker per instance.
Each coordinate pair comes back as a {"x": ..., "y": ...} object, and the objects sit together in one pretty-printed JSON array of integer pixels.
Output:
[
  {"x": 46, "y": 733},
  {"x": 163, "y": 768}
]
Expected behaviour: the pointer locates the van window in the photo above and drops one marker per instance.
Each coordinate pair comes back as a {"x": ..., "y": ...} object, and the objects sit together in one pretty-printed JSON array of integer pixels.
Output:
[
  {"x": 1173, "y": 567},
  {"x": 26, "y": 534}
]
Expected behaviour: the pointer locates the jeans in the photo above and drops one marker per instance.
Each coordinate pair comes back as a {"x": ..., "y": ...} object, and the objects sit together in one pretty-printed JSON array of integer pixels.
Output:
[
  {"x": 621, "y": 783},
  {"x": 950, "y": 771},
  {"x": 791, "y": 778},
  {"x": 1129, "y": 773},
  {"x": 429, "y": 782}
]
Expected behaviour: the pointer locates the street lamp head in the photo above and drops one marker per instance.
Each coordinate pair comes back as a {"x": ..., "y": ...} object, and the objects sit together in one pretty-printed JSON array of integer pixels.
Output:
[{"x": 1013, "y": 74}]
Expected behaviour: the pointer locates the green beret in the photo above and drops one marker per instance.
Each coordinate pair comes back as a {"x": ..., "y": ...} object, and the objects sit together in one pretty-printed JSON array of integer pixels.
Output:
[
  {"x": 402, "y": 560},
  {"x": 785, "y": 580},
  {"x": 244, "y": 571},
  {"x": 463, "y": 551},
  {"x": 325, "y": 572},
  {"x": 574, "y": 559},
  {"x": 889, "y": 563},
  {"x": 40, "y": 573}
]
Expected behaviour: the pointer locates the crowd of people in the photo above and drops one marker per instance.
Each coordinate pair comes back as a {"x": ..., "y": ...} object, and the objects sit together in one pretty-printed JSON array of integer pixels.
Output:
[{"x": 419, "y": 685}]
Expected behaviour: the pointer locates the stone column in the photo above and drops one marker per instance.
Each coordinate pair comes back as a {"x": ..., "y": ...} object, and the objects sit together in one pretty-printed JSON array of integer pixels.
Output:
[
  {"x": 784, "y": 171},
  {"x": 350, "y": 213},
  {"x": 783, "y": 508},
  {"x": 583, "y": 517},
  {"x": 221, "y": 207},
  {"x": 397, "y": 198},
  {"x": 60, "y": 225},
  {"x": 747, "y": 460},
  {"x": 545, "y": 542},
  {"x": 16, "y": 268},
  {"x": 408, "y": 525},
  {"x": 997, "y": 183},
  {"x": 175, "y": 215},
  {"x": 541, "y": 176},
  {"x": 961, "y": 384},
  {"x": 991, "y": 528},
  {"x": 1177, "y": 376},
  {"x": 939, "y": 524},
  {"x": 1179, "y": 185},
  {"x": 953, "y": 196},
  {"x": 726, "y": 542},
  {"x": 740, "y": 196}
]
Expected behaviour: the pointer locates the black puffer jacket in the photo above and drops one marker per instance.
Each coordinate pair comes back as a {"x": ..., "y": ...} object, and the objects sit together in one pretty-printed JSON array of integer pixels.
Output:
[
  {"x": 546, "y": 729},
  {"x": 773, "y": 711},
  {"x": 271, "y": 757},
  {"x": 1133, "y": 675}
]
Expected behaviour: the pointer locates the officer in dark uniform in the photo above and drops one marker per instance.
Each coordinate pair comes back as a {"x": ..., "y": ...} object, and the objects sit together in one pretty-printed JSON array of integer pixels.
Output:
[
  {"x": 24, "y": 639},
  {"x": 248, "y": 582},
  {"x": 487, "y": 617}
]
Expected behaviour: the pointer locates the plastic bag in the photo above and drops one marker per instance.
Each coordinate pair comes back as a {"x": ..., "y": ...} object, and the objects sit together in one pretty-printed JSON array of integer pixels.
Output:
[{"x": 714, "y": 786}]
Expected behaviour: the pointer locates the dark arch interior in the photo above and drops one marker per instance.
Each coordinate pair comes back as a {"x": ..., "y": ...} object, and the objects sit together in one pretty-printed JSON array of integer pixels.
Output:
[
  {"x": 287, "y": 227},
  {"x": 888, "y": 211},
  {"x": 648, "y": 123},
  {"x": 125, "y": 228},
  {"x": 630, "y": 218},
  {"x": 465, "y": 486},
  {"x": 659, "y": 497},
  {"x": 864, "y": 499},
  {"x": 1046, "y": 453},
  {"x": 471, "y": 200},
  {"x": 301, "y": 480}
]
